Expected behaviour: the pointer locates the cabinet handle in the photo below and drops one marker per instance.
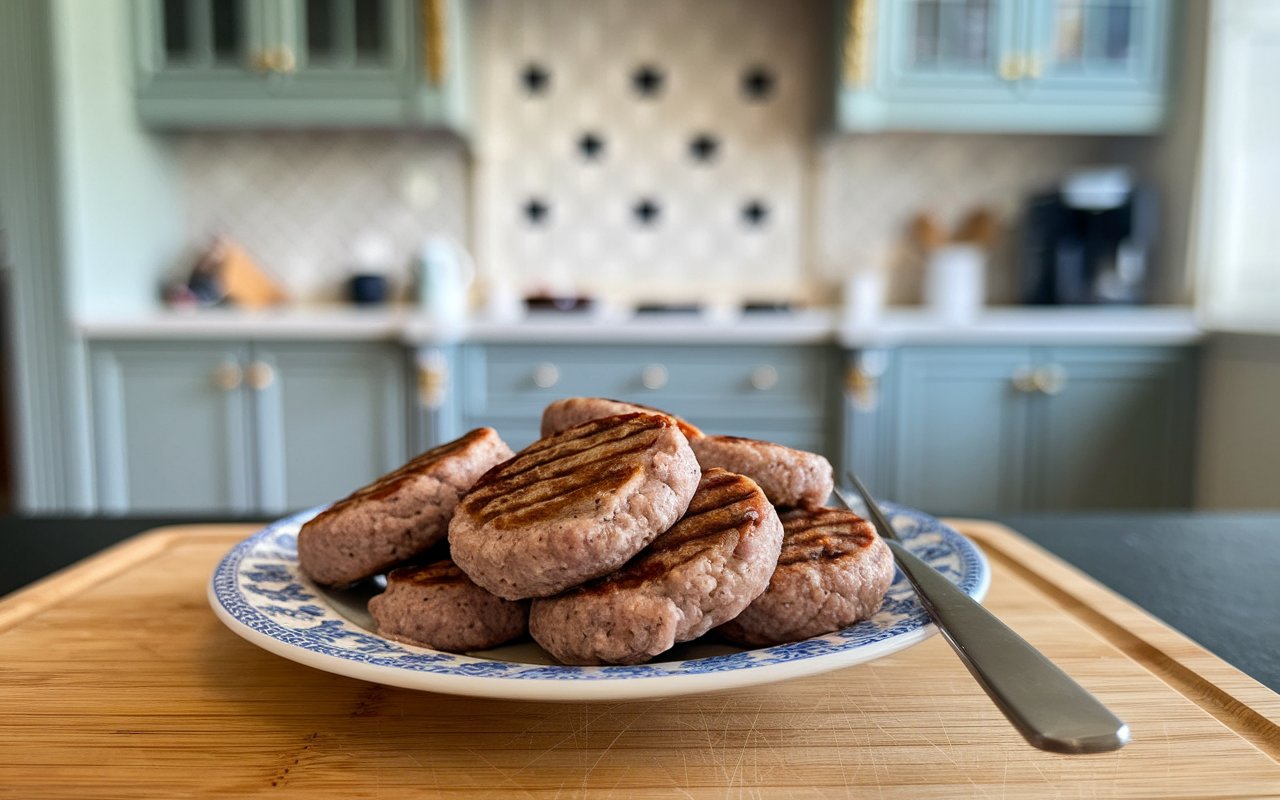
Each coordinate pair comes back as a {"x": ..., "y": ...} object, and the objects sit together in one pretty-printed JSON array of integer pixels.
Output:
[
  {"x": 228, "y": 376},
  {"x": 1032, "y": 67},
  {"x": 546, "y": 375},
  {"x": 433, "y": 382},
  {"x": 857, "y": 44},
  {"x": 1012, "y": 68},
  {"x": 260, "y": 375},
  {"x": 1024, "y": 379},
  {"x": 261, "y": 60},
  {"x": 1051, "y": 379},
  {"x": 654, "y": 376},
  {"x": 285, "y": 61},
  {"x": 764, "y": 378},
  {"x": 434, "y": 55}
]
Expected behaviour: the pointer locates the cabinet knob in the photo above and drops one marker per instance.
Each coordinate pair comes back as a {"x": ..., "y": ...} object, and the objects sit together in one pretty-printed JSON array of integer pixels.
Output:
[
  {"x": 261, "y": 61},
  {"x": 1024, "y": 379},
  {"x": 546, "y": 375},
  {"x": 654, "y": 376},
  {"x": 764, "y": 377},
  {"x": 1051, "y": 379},
  {"x": 1012, "y": 68},
  {"x": 1032, "y": 67},
  {"x": 285, "y": 60},
  {"x": 260, "y": 375},
  {"x": 228, "y": 376}
]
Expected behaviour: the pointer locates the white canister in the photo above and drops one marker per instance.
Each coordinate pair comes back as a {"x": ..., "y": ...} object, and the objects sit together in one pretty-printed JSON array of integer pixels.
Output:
[
  {"x": 955, "y": 283},
  {"x": 863, "y": 297}
]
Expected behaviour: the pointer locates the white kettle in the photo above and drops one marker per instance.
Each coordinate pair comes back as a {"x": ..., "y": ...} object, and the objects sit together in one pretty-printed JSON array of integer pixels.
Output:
[{"x": 445, "y": 274}]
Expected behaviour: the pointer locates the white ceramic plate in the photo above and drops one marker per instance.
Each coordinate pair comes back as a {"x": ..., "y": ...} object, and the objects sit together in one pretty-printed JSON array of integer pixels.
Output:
[{"x": 260, "y": 593}]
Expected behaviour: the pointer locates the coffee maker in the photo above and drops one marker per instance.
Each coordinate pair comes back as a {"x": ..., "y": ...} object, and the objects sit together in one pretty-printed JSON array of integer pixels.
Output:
[{"x": 1090, "y": 241}]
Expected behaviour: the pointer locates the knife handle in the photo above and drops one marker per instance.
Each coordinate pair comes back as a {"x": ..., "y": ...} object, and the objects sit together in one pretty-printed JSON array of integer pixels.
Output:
[{"x": 1048, "y": 708}]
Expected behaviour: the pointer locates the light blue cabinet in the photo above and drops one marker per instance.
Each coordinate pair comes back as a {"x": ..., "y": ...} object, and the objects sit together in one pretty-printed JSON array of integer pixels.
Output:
[
  {"x": 284, "y": 63},
  {"x": 240, "y": 427},
  {"x": 781, "y": 393},
  {"x": 1064, "y": 66},
  {"x": 1003, "y": 429}
]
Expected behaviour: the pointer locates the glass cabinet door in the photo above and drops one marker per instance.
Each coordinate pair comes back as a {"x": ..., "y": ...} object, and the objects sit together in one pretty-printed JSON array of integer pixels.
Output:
[
  {"x": 220, "y": 38},
  {"x": 1089, "y": 44},
  {"x": 951, "y": 44},
  {"x": 348, "y": 38}
]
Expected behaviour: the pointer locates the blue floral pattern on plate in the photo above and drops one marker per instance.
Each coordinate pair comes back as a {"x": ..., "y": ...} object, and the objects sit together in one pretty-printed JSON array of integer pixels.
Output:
[{"x": 259, "y": 591}]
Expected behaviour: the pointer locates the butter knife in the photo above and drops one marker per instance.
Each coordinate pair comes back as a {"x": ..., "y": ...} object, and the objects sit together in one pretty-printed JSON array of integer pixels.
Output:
[{"x": 1049, "y": 709}]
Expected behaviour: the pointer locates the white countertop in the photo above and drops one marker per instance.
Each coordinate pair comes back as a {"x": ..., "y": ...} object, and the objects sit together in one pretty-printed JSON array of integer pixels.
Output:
[{"x": 1004, "y": 325}]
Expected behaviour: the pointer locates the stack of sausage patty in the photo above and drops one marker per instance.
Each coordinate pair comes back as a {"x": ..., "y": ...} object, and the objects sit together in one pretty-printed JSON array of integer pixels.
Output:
[{"x": 621, "y": 532}]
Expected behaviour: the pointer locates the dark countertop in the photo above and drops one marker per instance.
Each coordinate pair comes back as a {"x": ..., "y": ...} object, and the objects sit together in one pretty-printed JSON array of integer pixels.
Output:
[{"x": 1213, "y": 576}]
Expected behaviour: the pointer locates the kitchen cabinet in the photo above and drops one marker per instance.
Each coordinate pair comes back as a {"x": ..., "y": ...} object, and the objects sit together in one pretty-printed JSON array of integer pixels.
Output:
[
  {"x": 1060, "y": 66},
  {"x": 281, "y": 63},
  {"x": 781, "y": 393},
  {"x": 1001, "y": 429},
  {"x": 243, "y": 427}
]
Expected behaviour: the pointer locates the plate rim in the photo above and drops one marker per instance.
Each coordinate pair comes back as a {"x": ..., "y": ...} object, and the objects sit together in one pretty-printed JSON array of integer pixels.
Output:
[{"x": 600, "y": 685}]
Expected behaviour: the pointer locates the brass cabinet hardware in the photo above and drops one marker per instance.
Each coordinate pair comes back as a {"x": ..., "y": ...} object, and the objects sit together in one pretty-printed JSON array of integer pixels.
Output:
[
  {"x": 1024, "y": 379},
  {"x": 546, "y": 375},
  {"x": 654, "y": 377},
  {"x": 434, "y": 54},
  {"x": 764, "y": 377},
  {"x": 862, "y": 379},
  {"x": 856, "y": 49},
  {"x": 1050, "y": 380},
  {"x": 1032, "y": 67},
  {"x": 260, "y": 60},
  {"x": 260, "y": 375},
  {"x": 228, "y": 376},
  {"x": 285, "y": 60},
  {"x": 433, "y": 381},
  {"x": 1012, "y": 68}
]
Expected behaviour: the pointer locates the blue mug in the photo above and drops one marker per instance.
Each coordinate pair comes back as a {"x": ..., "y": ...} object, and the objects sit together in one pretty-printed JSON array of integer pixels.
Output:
[{"x": 367, "y": 290}]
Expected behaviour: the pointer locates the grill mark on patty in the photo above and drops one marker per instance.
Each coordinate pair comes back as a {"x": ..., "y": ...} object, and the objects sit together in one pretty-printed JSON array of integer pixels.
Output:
[
  {"x": 392, "y": 482},
  {"x": 436, "y": 573},
  {"x": 725, "y": 506},
  {"x": 595, "y": 459},
  {"x": 823, "y": 534}
]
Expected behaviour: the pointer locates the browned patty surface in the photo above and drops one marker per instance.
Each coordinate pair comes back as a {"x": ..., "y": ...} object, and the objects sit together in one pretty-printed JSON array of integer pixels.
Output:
[
  {"x": 703, "y": 571},
  {"x": 788, "y": 476},
  {"x": 438, "y": 606},
  {"x": 564, "y": 414},
  {"x": 574, "y": 506},
  {"x": 397, "y": 516},
  {"x": 833, "y": 571}
]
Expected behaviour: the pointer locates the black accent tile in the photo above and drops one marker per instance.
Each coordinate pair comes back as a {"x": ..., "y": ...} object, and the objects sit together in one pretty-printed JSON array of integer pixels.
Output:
[
  {"x": 648, "y": 80},
  {"x": 535, "y": 78},
  {"x": 537, "y": 211},
  {"x": 758, "y": 83},
  {"x": 591, "y": 146},
  {"x": 755, "y": 213},
  {"x": 647, "y": 211},
  {"x": 704, "y": 147}
]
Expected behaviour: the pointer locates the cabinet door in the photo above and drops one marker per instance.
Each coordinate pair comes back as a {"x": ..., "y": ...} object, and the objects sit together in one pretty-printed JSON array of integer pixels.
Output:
[
  {"x": 1116, "y": 431},
  {"x": 170, "y": 428},
  {"x": 950, "y": 49},
  {"x": 961, "y": 430},
  {"x": 356, "y": 49},
  {"x": 200, "y": 48},
  {"x": 329, "y": 419}
]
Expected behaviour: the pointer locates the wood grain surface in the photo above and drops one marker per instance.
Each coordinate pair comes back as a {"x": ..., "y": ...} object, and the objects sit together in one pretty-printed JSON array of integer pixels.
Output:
[{"x": 116, "y": 680}]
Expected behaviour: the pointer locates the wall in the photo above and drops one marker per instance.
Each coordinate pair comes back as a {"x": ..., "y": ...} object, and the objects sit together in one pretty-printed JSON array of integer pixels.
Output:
[
  {"x": 1239, "y": 461},
  {"x": 545, "y": 213}
]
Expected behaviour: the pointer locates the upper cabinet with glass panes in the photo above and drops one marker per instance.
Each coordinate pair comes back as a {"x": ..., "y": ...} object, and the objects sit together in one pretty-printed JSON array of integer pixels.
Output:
[
  {"x": 1065, "y": 66},
  {"x": 320, "y": 63}
]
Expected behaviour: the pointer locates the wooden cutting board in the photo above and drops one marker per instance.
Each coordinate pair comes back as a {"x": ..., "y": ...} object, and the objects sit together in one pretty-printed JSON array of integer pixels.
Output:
[{"x": 116, "y": 680}]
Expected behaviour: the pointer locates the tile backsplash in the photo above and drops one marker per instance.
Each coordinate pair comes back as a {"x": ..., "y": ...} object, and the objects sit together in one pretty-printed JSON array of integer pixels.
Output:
[{"x": 660, "y": 150}]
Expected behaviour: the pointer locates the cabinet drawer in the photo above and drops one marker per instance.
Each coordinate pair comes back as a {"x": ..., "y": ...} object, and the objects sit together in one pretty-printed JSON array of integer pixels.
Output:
[{"x": 702, "y": 383}]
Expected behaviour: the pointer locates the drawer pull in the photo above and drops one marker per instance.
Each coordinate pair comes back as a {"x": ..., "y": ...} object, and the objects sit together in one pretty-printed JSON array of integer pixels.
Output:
[
  {"x": 654, "y": 376},
  {"x": 1024, "y": 379},
  {"x": 1050, "y": 380},
  {"x": 261, "y": 375},
  {"x": 764, "y": 378},
  {"x": 228, "y": 376},
  {"x": 546, "y": 375}
]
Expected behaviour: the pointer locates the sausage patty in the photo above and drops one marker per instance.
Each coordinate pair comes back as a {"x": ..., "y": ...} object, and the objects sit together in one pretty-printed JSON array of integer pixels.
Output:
[
  {"x": 437, "y": 606},
  {"x": 702, "y": 572},
  {"x": 834, "y": 570},
  {"x": 788, "y": 476},
  {"x": 574, "y": 506},
  {"x": 564, "y": 414},
  {"x": 397, "y": 516}
]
